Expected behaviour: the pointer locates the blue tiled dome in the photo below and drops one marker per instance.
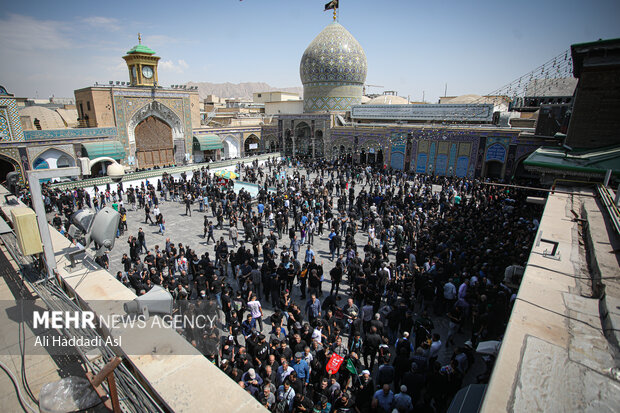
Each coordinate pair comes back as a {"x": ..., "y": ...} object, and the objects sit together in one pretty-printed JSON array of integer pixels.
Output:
[
  {"x": 334, "y": 55},
  {"x": 333, "y": 70}
]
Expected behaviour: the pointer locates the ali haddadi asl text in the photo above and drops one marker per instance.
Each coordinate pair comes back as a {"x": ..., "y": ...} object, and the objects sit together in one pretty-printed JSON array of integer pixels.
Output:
[{"x": 59, "y": 341}]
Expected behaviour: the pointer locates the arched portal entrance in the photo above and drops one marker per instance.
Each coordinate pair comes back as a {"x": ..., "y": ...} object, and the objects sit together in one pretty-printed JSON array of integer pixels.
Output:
[
  {"x": 288, "y": 146},
  {"x": 271, "y": 143},
  {"x": 53, "y": 158},
  {"x": 100, "y": 168},
  {"x": 251, "y": 145},
  {"x": 7, "y": 165},
  {"x": 303, "y": 136},
  {"x": 522, "y": 173},
  {"x": 64, "y": 162},
  {"x": 371, "y": 158},
  {"x": 318, "y": 144},
  {"x": 373, "y": 151},
  {"x": 231, "y": 147},
  {"x": 493, "y": 169},
  {"x": 154, "y": 143},
  {"x": 168, "y": 135}
]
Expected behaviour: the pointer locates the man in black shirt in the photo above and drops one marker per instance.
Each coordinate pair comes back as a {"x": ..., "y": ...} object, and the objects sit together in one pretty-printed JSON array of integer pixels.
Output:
[
  {"x": 371, "y": 346},
  {"x": 142, "y": 240},
  {"x": 216, "y": 289},
  {"x": 261, "y": 351},
  {"x": 149, "y": 259},
  {"x": 336, "y": 276},
  {"x": 301, "y": 403},
  {"x": 147, "y": 214}
]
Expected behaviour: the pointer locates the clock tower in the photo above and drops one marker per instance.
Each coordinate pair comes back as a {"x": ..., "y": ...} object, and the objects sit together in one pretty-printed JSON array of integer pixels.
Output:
[{"x": 142, "y": 65}]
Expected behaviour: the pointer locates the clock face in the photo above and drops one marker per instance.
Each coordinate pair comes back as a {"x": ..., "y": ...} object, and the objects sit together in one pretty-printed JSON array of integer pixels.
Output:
[{"x": 147, "y": 72}]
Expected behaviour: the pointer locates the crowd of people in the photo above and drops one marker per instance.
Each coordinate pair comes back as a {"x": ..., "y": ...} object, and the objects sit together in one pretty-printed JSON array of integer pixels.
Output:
[{"x": 406, "y": 252}]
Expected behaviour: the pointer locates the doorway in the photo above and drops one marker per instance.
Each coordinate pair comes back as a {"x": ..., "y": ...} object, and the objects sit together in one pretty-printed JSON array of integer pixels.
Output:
[{"x": 154, "y": 143}]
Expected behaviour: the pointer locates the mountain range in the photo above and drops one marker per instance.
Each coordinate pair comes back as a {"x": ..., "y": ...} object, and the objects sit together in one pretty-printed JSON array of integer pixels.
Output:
[{"x": 243, "y": 90}]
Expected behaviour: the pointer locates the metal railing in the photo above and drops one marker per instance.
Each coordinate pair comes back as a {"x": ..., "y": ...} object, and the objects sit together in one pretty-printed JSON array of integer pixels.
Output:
[{"x": 608, "y": 201}]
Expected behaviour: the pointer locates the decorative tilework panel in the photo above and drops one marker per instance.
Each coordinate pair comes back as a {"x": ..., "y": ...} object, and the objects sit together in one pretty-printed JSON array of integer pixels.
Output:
[
  {"x": 461, "y": 166},
  {"x": 423, "y": 146},
  {"x": 443, "y": 147},
  {"x": 5, "y": 126},
  {"x": 329, "y": 103},
  {"x": 431, "y": 155},
  {"x": 33, "y": 135},
  {"x": 421, "y": 163},
  {"x": 12, "y": 118},
  {"x": 464, "y": 149},
  {"x": 496, "y": 152},
  {"x": 442, "y": 164},
  {"x": 452, "y": 157}
]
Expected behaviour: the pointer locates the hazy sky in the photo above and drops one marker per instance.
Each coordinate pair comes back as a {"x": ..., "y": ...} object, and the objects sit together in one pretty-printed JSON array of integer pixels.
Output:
[{"x": 51, "y": 48}]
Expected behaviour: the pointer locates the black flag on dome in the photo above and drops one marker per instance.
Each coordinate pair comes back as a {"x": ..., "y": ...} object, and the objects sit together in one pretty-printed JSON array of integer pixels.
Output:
[{"x": 331, "y": 5}]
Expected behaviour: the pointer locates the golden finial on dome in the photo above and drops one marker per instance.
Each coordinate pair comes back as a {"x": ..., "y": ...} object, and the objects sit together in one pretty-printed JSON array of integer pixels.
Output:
[
  {"x": 139, "y": 38},
  {"x": 332, "y": 5}
]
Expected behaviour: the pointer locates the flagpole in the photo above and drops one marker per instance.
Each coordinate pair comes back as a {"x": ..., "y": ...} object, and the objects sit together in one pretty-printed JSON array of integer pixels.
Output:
[{"x": 336, "y": 10}]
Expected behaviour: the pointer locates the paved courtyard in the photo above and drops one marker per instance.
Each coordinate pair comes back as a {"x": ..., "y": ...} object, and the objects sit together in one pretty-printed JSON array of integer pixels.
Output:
[{"x": 188, "y": 230}]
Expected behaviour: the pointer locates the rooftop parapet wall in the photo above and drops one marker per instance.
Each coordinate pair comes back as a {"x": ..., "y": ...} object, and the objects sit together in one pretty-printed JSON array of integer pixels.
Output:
[{"x": 556, "y": 355}]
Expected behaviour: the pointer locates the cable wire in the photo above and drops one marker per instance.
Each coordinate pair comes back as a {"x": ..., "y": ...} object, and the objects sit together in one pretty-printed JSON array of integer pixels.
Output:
[
  {"x": 20, "y": 397},
  {"x": 55, "y": 298}
]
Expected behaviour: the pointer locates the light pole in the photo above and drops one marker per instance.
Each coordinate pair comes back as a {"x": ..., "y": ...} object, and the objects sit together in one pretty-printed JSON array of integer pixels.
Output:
[
  {"x": 115, "y": 171},
  {"x": 34, "y": 180}
]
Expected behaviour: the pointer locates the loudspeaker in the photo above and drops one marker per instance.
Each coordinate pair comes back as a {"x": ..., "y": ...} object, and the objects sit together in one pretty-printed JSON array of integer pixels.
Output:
[
  {"x": 83, "y": 219},
  {"x": 103, "y": 229},
  {"x": 156, "y": 301},
  {"x": 12, "y": 180}
]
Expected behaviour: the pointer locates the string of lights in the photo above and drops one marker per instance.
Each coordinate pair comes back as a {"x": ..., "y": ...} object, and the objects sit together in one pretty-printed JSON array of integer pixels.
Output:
[{"x": 551, "y": 75}]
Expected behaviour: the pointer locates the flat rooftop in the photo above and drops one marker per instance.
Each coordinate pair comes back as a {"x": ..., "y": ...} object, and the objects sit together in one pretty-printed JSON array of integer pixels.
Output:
[{"x": 560, "y": 350}]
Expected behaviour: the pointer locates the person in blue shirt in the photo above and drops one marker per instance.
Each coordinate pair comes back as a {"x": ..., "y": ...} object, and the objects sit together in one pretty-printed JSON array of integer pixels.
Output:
[
  {"x": 246, "y": 326},
  {"x": 309, "y": 255},
  {"x": 313, "y": 308},
  {"x": 383, "y": 398},
  {"x": 301, "y": 368}
]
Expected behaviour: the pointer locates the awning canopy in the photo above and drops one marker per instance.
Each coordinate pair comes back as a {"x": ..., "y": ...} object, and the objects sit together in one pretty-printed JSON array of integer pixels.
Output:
[
  {"x": 590, "y": 161},
  {"x": 207, "y": 142},
  {"x": 112, "y": 149}
]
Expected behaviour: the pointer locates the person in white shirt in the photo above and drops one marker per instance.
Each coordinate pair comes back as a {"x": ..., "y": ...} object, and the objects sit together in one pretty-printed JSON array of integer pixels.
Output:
[
  {"x": 286, "y": 394},
  {"x": 256, "y": 310},
  {"x": 283, "y": 371},
  {"x": 371, "y": 234},
  {"x": 317, "y": 334},
  {"x": 449, "y": 294}
]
